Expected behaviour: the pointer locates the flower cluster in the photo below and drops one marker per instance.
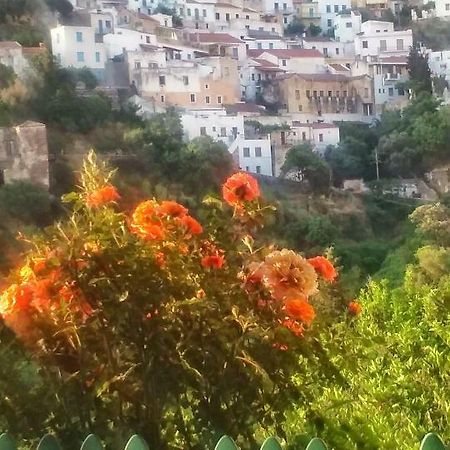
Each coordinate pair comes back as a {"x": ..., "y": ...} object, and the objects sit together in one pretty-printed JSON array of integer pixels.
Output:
[
  {"x": 103, "y": 196},
  {"x": 154, "y": 221},
  {"x": 291, "y": 279},
  {"x": 240, "y": 188}
]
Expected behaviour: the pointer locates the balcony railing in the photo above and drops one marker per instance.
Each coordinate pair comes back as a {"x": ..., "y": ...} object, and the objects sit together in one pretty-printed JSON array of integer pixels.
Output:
[{"x": 391, "y": 78}]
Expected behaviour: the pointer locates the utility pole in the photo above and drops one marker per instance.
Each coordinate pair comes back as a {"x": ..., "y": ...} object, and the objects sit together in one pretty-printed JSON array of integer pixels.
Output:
[{"x": 376, "y": 164}]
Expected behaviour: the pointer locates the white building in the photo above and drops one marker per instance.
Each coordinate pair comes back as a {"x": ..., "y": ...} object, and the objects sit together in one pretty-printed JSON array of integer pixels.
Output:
[
  {"x": 11, "y": 55},
  {"x": 253, "y": 154},
  {"x": 328, "y": 47},
  {"x": 328, "y": 10},
  {"x": 319, "y": 134},
  {"x": 378, "y": 38},
  {"x": 439, "y": 63},
  {"x": 78, "y": 47},
  {"x": 442, "y": 8},
  {"x": 125, "y": 39},
  {"x": 347, "y": 25}
]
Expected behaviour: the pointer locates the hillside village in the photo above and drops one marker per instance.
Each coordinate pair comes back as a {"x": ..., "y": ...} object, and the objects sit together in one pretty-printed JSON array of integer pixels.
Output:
[{"x": 298, "y": 68}]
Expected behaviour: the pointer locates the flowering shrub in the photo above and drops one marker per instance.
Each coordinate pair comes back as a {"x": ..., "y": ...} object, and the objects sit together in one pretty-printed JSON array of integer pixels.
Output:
[{"x": 160, "y": 324}]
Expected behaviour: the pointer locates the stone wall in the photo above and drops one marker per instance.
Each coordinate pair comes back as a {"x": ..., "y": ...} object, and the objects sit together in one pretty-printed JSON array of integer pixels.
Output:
[{"x": 24, "y": 153}]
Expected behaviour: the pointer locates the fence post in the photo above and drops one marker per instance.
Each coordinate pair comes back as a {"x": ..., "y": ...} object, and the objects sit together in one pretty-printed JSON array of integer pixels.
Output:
[
  {"x": 48, "y": 442},
  {"x": 136, "y": 442},
  {"x": 7, "y": 442},
  {"x": 226, "y": 443},
  {"x": 92, "y": 442},
  {"x": 271, "y": 444},
  {"x": 316, "y": 444},
  {"x": 432, "y": 441}
]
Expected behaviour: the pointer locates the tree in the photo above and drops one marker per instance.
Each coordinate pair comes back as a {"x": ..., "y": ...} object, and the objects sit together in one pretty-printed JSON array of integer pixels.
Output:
[
  {"x": 419, "y": 72},
  {"x": 176, "y": 19},
  {"x": 310, "y": 165},
  {"x": 64, "y": 7},
  {"x": 296, "y": 27},
  {"x": 147, "y": 322},
  {"x": 314, "y": 30}
]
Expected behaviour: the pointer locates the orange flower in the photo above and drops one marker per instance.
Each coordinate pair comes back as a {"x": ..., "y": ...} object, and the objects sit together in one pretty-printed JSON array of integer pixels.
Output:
[
  {"x": 323, "y": 267},
  {"x": 145, "y": 222},
  {"x": 213, "y": 261},
  {"x": 287, "y": 275},
  {"x": 173, "y": 209},
  {"x": 191, "y": 225},
  {"x": 354, "y": 308},
  {"x": 300, "y": 309},
  {"x": 294, "y": 327},
  {"x": 240, "y": 187},
  {"x": 15, "y": 298},
  {"x": 42, "y": 294},
  {"x": 200, "y": 293},
  {"x": 102, "y": 196},
  {"x": 39, "y": 265}
]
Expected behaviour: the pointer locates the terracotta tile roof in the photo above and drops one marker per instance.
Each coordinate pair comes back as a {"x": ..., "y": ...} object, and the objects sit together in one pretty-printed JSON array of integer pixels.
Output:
[
  {"x": 32, "y": 51},
  {"x": 339, "y": 67},
  {"x": 214, "y": 38},
  {"x": 266, "y": 66},
  {"x": 255, "y": 53},
  {"x": 9, "y": 44},
  {"x": 264, "y": 62},
  {"x": 294, "y": 53}
]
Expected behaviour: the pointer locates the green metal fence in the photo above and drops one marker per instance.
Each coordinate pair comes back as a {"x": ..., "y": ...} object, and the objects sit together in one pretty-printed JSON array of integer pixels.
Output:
[{"x": 430, "y": 442}]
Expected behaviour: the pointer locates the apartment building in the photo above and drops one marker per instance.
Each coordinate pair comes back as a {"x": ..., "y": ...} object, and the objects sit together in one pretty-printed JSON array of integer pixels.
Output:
[
  {"x": 217, "y": 44},
  {"x": 378, "y": 38},
  {"x": 260, "y": 40},
  {"x": 347, "y": 25},
  {"x": 125, "y": 39},
  {"x": 318, "y": 94},
  {"x": 442, "y": 8},
  {"x": 328, "y": 9},
  {"x": 328, "y": 47},
  {"x": 308, "y": 12}
]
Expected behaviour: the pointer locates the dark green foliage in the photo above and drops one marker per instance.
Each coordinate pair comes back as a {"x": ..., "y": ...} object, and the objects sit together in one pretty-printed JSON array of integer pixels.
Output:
[
  {"x": 25, "y": 202},
  {"x": 314, "y": 30},
  {"x": 176, "y": 19},
  {"x": 433, "y": 33},
  {"x": 295, "y": 27},
  {"x": 7, "y": 76},
  {"x": 315, "y": 170},
  {"x": 64, "y": 7},
  {"x": 419, "y": 72}
]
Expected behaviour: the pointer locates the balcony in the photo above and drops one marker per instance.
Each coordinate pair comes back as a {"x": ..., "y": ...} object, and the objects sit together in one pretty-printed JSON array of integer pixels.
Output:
[{"x": 391, "y": 78}]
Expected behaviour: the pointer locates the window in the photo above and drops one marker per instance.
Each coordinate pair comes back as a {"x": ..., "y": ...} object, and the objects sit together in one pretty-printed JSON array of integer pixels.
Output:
[
  {"x": 328, "y": 8},
  {"x": 348, "y": 25},
  {"x": 383, "y": 45},
  {"x": 237, "y": 16},
  {"x": 258, "y": 152},
  {"x": 315, "y": 94},
  {"x": 321, "y": 94},
  {"x": 285, "y": 20},
  {"x": 204, "y": 13},
  {"x": 285, "y": 6},
  {"x": 275, "y": 6},
  {"x": 202, "y": 131},
  {"x": 297, "y": 94},
  {"x": 185, "y": 80},
  {"x": 300, "y": 108},
  {"x": 345, "y": 93},
  {"x": 271, "y": 45},
  {"x": 283, "y": 62},
  {"x": 311, "y": 12},
  {"x": 330, "y": 94},
  {"x": 329, "y": 23},
  {"x": 162, "y": 80},
  {"x": 320, "y": 137},
  {"x": 325, "y": 52},
  {"x": 259, "y": 45},
  {"x": 217, "y": 16},
  {"x": 399, "y": 44},
  {"x": 189, "y": 11},
  {"x": 147, "y": 39},
  {"x": 227, "y": 17},
  {"x": 80, "y": 56},
  {"x": 365, "y": 44},
  {"x": 337, "y": 51},
  {"x": 223, "y": 131},
  {"x": 108, "y": 23},
  {"x": 207, "y": 99},
  {"x": 366, "y": 92},
  {"x": 247, "y": 168},
  {"x": 97, "y": 57},
  {"x": 447, "y": 6},
  {"x": 79, "y": 36},
  {"x": 337, "y": 94},
  {"x": 246, "y": 152},
  {"x": 344, "y": 7},
  {"x": 192, "y": 98},
  {"x": 308, "y": 93},
  {"x": 253, "y": 77},
  {"x": 303, "y": 135},
  {"x": 163, "y": 99},
  {"x": 247, "y": 17},
  {"x": 391, "y": 92},
  {"x": 219, "y": 99},
  {"x": 258, "y": 169}
]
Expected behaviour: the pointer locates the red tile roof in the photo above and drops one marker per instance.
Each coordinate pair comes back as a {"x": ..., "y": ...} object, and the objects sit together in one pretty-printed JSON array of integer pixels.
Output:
[
  {"x": 214, "y": 38},
  {"x": 9, "y": 44},
  {"x": 339, "y": 67},
  {"x": 393, "y": 59},
  {"x": 255, "y": 53},
  {"x": 295, "y": 53}
]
